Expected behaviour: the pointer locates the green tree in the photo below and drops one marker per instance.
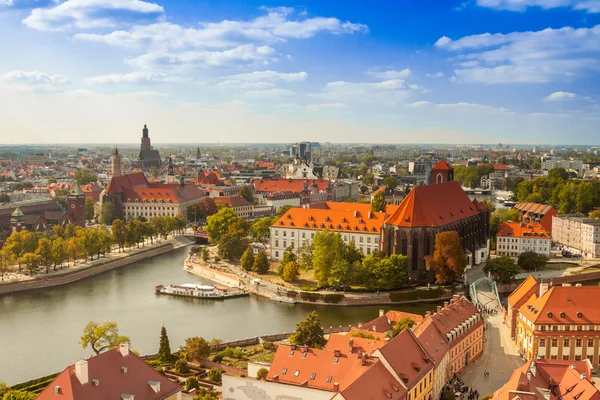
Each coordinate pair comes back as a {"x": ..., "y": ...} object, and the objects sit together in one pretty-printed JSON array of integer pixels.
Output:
[
  {"x": 290, "y": 271},
  {"x": 207, "y": 207},
  {"x": 309, "y": 332},
  {"x": 218, "y": 224},
  {"x": 260, "y": 229},
  {"x": 378, "y": 203},
  {"x": 530, "y": 261},
  {"x": 595, "y": 214},
  {"x": 59, "y": 251},
  {"x": 44, "y": 251},
  {"x": 247, "y": 193},
  {"x": 3, "y": 388},
  {"x": 288, "y": 256},
  {"x": 503, "y": 269},
  {"x": 380, "y": 272},
  {"x": 261, "y": 263},
  {"x": 232, "y": 245},
  {"x": 448, "y": 260},
  {"x": 204, "y": 254},
  {"x": 85, "y": 176},
  {"x": 391, "y": 182},
  {"x": 262, "y": 373},
  {"x": 4, "y": 198},
  {"x": 15, "y": 245},
  {"x": 191, "y": 383},
  {"x": 247, "y": 260},
  {"x": 332, "y": 260},
  {"x": 399, "y": 326},
  {"x": 74, "y": 248},
  {"x": 182, "y": 366},
  {"x": 368, "y": 179},
  {"x": 107, "y": 213},
  {"x": 7, "y": 259},
  {"x": 215, "y": 375},
  {"x": 89, "y": 208},
  {"x": 31, "y": 261},
  {"x": 118, "y": 233},
  {"x": 18, "y": 395},
  {"x": 164, "y": 348},
  {"x": 196, "y": 348},
  {"x": 100, "y": 337},
  {"x": 282, "y": 211}
]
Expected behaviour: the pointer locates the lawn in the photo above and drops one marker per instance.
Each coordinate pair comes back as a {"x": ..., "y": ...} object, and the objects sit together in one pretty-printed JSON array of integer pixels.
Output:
[{"x": 559, "y": 266}]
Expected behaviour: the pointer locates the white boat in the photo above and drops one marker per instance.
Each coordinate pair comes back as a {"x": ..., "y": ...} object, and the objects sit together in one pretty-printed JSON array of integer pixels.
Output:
[{"x": 191, "y": 290}]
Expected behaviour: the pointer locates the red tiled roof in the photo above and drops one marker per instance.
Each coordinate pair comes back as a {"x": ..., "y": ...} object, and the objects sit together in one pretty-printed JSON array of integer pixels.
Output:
[
  {"x": 520, "y": 294},
  {"x": 500, "y": 167},
  {"x": 396, "y": 316},
  {"x": 434, "y": 343},
  {"x": 106, "y": 368},
  {"x": 459, "y": 310},
  {"x": 565, "y": 304},
  {"x": 433, "y": 205},
  {"x": 377, "y": 383},
  {"x": 119, "y": 183},
  {"x": 377, "y": 335},
  {"x": 288, "y": 185},
  {"x": 342, "y": 343},
  {"x": 518, "y": 229},
  {"x": 233, "y": 201},
  {"x": 166, "y": 193},
  {"x": 442, "y": 165}
]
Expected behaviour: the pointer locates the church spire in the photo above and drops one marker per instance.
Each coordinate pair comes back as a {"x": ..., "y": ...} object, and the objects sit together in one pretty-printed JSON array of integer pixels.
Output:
[{"x": 117, "y": 169}]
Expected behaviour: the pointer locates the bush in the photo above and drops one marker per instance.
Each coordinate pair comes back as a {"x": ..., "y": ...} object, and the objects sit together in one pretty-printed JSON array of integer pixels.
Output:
[
  {"x": 191, "y": 383},
  {"x": 262, "y": 374},
  {"x": 214, "y": 375},
  {"x": 195, "y": 249},
  {"x": 309, "y": 288},
  {"x": 219, "y": 357},
  {"x": 269, "y": 345},
  {"x": 182, "y": 367},
  {"x": 292, "y": 294},
  {"x": 312, "y": 297},
  {"x": 333, "y": 298}
]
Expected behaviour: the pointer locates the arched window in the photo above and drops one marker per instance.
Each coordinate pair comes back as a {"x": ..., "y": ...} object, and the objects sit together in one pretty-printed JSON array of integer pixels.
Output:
[
  {"x": 403, "y": 244},
  {"x": 415, "y": 253},
  {"x": 439, "y": 178},
  {"x": 428, "y": 244}
]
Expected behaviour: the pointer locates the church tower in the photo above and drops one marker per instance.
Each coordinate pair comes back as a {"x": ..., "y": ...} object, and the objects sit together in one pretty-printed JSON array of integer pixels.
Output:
[
  {"x": 117, "y": 169},
  {"x": 76, "y": 204},
  {"x": 197, "y": 153},
  {"x": 171, "y": 178},
  {"x": 442, "y": 172},
  {"x": 145, "y": 139}
]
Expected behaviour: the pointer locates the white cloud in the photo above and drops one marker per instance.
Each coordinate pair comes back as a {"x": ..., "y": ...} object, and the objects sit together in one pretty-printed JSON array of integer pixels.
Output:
[
  {"x": 559, "y": 96},
  {"x": 85, "y": 14},
  {"x": 325, "y": 106},
  {"x": 138, "y": 77},
  {"x": 436, "y": 75},
  {"x": 391, "y": 74},
  {"x": 273, "y": 27},
  {"x": 385, "y": 93},
  {"x": 270, "y": 76},
  {"x": 591, "y": 6},
  {"x": 275, "y": 92},
  {"x": 540, "y": 56},
  {"x": 183, "y": 61},
  {"x": 34, "y": 78},
  {"x": 244, "y": 85}
]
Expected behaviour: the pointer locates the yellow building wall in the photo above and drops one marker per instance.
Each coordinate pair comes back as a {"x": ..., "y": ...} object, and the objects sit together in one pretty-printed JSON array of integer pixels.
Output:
[
  {"x": 423, "y": 388},
  {"x": 471, "y": 344}
]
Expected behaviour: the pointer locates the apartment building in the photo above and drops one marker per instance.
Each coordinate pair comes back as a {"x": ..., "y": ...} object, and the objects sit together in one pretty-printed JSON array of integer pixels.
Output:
[
  {"x": 515, "y": 238},
  {"x": 577, "y": 234}
]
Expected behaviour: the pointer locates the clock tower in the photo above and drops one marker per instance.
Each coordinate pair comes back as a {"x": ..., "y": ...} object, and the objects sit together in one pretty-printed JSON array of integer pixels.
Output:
[{"x": 76, "y": 205}]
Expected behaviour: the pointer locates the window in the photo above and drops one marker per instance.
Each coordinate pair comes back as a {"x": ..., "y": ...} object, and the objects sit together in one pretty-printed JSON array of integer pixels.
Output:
[
  {"x": 285, "y": 244},
  {"x": 284, "y": 371},
  {"x": 297, "y": 372},
  {"x": 276, "y": 232},
  {"x": 277, "y": 243},
  {"x": 555, "y": 327},
  {"x": 554, "y": 357},
  {"x": 578, "y": 343},
  {"x": 284, "y": 233},
  {"x": 361, "y": 239},
  {"x": 313, "y": 376},
  {"x": 566, "y": 358},
  {"x": 303, "y": 235},
  {"x": 329, "y": 378},
  {"x": 276, "y": 254},
  {"x": 554, "y": 342},
  {"x": 567, "y": 328},
  {"x": 369, "y": 240},
  {"x": 590, "y": 342},
  {"x": 293, "y": 234},
  {"x": 542, "y": 342},
  {"x": 566, "y": 343},
  {"x": 578, "y": 357},
  {"x": 580, "y": 328},
  {"x": 543, "y": 328}
]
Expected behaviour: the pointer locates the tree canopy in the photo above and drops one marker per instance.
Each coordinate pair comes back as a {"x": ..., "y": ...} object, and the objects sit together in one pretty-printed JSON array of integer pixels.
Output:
[
  {"x": 100, "y": 337},
  {"x": 502, "y": 269},
  {"x": 448, "y": 260},
  {"x": 218, "y": 224},
  {"x": 309, "y": 332},
  {"x": 531, "y": 261},
  {"x": 85, "y": 176},
  {"x": 407, "y": 322},
  {"x": 378, "y": 203},
  {"x": 196, "y": 348}
]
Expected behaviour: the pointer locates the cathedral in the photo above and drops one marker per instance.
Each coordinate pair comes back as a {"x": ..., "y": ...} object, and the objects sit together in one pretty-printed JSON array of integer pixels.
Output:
[
  {"x": 148, "y": 156},
  {"x": 427, "y": 210}
]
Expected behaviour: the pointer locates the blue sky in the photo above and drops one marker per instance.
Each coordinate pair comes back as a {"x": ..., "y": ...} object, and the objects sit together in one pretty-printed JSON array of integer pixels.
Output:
[{"x": 199, "y": 71}]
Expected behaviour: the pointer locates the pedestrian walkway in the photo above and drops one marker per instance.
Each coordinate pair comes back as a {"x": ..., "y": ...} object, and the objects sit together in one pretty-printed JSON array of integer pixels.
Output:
[{"x": 500, "y": 356}]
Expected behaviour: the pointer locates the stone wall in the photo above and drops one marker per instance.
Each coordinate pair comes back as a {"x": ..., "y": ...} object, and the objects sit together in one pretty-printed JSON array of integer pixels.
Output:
[{"x": 56, "y": 280}]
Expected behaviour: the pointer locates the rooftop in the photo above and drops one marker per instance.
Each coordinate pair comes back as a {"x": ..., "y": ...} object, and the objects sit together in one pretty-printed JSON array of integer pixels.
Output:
[{"x": 520, "y": 229}]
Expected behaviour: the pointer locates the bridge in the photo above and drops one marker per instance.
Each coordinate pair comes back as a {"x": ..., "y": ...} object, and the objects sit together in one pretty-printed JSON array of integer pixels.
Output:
[
  {"x": 484, "y": 293},
  {"x": 200, "y": 236}
]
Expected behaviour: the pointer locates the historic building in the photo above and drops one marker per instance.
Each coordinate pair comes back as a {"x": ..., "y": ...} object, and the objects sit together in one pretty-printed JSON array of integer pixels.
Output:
[
  {"x": 310, "y": 190},
  {"x": 133, "y": 196},
  {"x": 558, "y": 322},
  {"x": 148, "y": 157},
  {"x": 431, "y": 209},
  {"x": 117, "y": 168},
  {"x": 515, "y": 238},
  {"x": 535, "y": 213},
  {"x": 577, "y": 233}
]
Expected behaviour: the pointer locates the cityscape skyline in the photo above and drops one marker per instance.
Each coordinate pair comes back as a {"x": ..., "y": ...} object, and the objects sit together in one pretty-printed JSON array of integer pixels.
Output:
[{"x": 455, "y": 72}]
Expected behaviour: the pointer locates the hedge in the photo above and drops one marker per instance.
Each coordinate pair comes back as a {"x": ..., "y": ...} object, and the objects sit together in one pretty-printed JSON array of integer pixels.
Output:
[
  {"x": 333, "y": 298},
  {"x": 326, "y": 298},
  {"x": 419, "y": 295}
]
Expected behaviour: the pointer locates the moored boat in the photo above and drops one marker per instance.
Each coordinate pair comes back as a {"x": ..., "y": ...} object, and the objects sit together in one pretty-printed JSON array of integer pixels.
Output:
[{"x": 191, "y": 290}]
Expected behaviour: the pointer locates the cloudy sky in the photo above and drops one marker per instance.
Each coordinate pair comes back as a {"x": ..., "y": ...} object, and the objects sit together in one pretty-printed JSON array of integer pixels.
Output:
[{"x": 394, "y": 71}]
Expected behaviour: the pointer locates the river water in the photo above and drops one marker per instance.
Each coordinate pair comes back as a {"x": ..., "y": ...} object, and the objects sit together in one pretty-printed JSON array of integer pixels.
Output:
[{"x": 40, "y": 330}]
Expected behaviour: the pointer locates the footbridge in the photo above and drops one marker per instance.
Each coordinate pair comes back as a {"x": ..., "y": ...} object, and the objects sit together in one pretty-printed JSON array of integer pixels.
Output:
[{"x": 484, "y": 292}]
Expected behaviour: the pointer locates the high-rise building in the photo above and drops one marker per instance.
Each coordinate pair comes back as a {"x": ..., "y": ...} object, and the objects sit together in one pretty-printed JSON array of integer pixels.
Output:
[{"x": 148, "y": 156}]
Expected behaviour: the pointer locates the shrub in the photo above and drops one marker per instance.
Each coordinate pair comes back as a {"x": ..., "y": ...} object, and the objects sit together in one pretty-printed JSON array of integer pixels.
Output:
[
  {"x": 195, "y": 249},
  {"x": 292, "y": 294},
  {"x": 181, "y": 366},
  {"x": 262, "y": 373},
  {"x": 191, "y": 383},
  {"x": 214, "y": 375},
  {"x": 312, "y": 297},
  {"x": 218, "y": 357},
  {"x": 269, "y": 345},
  {"x": 333, "y": 298}
]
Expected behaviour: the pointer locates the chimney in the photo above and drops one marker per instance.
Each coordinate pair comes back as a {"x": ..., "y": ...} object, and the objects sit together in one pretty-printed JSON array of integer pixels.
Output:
[
  {"x": 374, "y": 328},
  {"x": 529, "y": 376},
  {"x": 566, "y": 284},
  {"x": 381, "y": 313},
  {"x": 578, "y": 284},
  {"x": 439, "y": 308},
  {"x": 445, "y": 304},
  {"x": 543, "y": 288},
  {"x": 336, "y": 387},
  {"x": 573, "y": 366},
  {"x": 350, "y": 345},
  {"x": 337, "y": 353},
  {"x": 532, "y": 368},
  {"x": 124, "y": 349},
  {"x": 363, "y": 358},
  {"x": 428, "y": 313},
  {"x": 81, "y": 371},
  {"x": 582, "y": 376},
  {"x": 359, "y": 324}
]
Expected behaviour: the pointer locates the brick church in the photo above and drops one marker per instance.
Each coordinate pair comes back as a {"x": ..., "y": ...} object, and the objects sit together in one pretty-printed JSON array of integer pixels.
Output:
[{"x": 427, "y": 210}]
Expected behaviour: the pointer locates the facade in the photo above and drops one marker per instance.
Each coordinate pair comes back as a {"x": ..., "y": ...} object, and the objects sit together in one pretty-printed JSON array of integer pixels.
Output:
[
  {"x": 436, "y": 345},
  {"x": 346, "y": 189},
  {"x": 577, "y": 234},
  {"x": 537, "y": 214},
  {"x": 114, "y": 374},
  {"x": 310, "y": 190},
  {"x": 302, "y": 150},
  {"x": 550, "y": 380},
  {"x": 133, "y": 196},
  {"x": 560, "y": 323},
  {"x": 517, "y": 298},
  {"x": 431, "y": 209},
  {"x": 240, "y": 205},
  {"x": 569, "y": 165},
  {"x": 515, "y": 238},
  {"x": 148, "y": 157},
  {"x": 282, "y": 199},
  {"x": 354, "y": 222},
  {"x": 461, "y": 324}
]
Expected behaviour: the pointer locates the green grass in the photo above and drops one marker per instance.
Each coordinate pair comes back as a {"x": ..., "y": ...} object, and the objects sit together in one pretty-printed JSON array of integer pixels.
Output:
[
  {"x": 559, "y": 266},
  {"x": 585, "y": 271}
]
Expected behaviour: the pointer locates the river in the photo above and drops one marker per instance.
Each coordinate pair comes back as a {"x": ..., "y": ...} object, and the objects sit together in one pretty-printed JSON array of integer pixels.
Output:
[{"x": 40, "y": 330}]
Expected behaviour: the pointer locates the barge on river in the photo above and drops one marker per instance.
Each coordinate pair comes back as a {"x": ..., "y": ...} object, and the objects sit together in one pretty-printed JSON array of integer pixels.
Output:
[{"x": 198, "y": 291}]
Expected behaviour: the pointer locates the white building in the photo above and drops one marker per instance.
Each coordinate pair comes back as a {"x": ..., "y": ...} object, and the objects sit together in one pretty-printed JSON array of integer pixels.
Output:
[
  {"x": 354, "y": 222},
  {"x": 515, "y": 238},
  {"x": 282, "y": 199},
  {"x": 577, "y": 234}
]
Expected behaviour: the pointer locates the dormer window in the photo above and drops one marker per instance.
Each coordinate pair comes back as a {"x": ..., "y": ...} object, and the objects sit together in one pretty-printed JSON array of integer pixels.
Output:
[
  {"x": 297, "y": 372},
  {"x": 549, "y": 314},
  {"x": 562, "y": 314},
  {"x": 579, "y": 315},
  {"x": 329, "y": 378},
  {"x": 284, "y": 371},
  {"x": 313, "y": 376}
]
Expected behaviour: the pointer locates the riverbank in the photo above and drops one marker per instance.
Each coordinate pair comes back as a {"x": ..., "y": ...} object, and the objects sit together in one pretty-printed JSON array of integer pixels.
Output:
[
  {"x": 96, "y": 267},
  {"x": 235, "y": 277}
]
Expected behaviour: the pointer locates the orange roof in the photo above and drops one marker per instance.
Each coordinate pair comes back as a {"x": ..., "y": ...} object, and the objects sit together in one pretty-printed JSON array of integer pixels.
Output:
[
  {"x": 434, "y": 343},
  {"x": 520, "y": 294},
  {"x": 377, "y": 383},
  {"x": 433, "y": 205},
  {"x": 342, "y": 343},
  {"x": 233, "y": 201},
  {"x": 458, "y": 311},
  {"x": 442, "y": 165},
  {"x": 500, "y": 167},
  {"x": 396, "y": 316},
  {"x": 518, "y": 229},
  {"x": 314, "y": 368},
  {"x": 345, "y": 218},
  {"x": 288, "y": 185},
  {"x": 165, "y": 193},
  {"x": 564, "y": 305}
]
